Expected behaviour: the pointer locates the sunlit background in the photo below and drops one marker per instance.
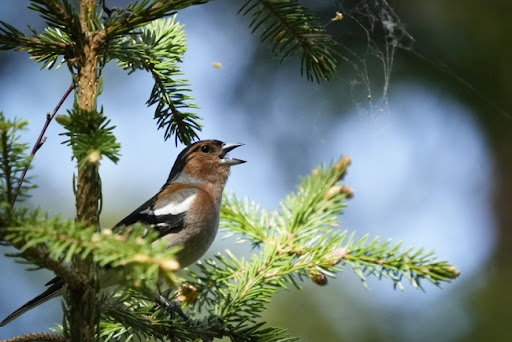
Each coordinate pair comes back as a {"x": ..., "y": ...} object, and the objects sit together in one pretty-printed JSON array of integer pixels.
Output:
[{"x": 431, "y": 157}]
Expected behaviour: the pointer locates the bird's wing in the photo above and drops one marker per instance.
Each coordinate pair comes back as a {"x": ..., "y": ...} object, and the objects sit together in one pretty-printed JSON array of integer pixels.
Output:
[{"x": 164, "y": 212}]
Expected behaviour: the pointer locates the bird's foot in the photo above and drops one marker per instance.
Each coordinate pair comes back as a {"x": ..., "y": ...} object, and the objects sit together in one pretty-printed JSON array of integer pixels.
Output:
[{"x": 170, "y": 306}]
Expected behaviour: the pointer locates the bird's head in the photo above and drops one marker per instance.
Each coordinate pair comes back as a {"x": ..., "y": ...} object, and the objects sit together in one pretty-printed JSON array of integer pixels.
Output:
[{"x": 205, "y": 160}]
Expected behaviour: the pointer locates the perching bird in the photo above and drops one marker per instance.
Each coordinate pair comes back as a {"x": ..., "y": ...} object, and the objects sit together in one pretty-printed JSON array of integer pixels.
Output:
[{"x": 185, "y": 211}]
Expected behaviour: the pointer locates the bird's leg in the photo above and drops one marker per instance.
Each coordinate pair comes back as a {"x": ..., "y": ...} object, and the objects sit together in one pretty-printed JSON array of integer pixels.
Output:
[{"x": 170, "y": 306}]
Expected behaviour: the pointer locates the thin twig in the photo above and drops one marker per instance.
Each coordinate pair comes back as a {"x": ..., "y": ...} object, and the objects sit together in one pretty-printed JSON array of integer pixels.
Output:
[{"x": 41, "y": 139}]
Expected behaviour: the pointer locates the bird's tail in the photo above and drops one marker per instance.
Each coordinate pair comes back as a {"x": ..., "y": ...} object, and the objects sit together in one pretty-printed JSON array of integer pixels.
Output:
[{"x": 53, "y": 291}]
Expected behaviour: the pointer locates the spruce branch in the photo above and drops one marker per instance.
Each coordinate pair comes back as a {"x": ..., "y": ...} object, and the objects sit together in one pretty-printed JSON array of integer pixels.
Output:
[
  {"x": 126, "y": 317},
  {"x": 142, "y": 12},
  {"x": 298, "y": 243},
  {"x": 382, "y": 259},
  {"x": 158, "y": 48},
  {"x": 13, "y": 160},
  {"x": 38, "y": 251},
  {"x": 58, "y": 241},
  {"x": 289, "y": 28},
  {"x": 44, "y": 47},
  {"x": 307, "y": 217},
  {"x": 90, "y": 135},
  {"x": 57, "y": 13}
]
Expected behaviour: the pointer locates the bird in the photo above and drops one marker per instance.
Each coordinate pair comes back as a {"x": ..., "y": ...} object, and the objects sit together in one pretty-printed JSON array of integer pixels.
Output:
[{"x": 185, "y": 211}]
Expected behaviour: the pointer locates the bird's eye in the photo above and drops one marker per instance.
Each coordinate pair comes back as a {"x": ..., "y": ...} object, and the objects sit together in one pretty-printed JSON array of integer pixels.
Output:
[{"x": 205, "y": 148}]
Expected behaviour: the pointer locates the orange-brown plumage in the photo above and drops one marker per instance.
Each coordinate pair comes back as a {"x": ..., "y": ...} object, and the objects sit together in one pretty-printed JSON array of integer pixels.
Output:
[{"x": 172, "y": 188}]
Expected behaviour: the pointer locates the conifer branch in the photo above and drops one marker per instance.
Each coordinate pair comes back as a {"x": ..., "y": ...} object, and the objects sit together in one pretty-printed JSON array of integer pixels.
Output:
[
  {"x": 158, "y": 48},
  {"x": 289, "y": 27},
  {"x": 298, "y": 243},
  {"x": 53, "y": 243},
  {"x": 44, "y": 47},
  {"x": 382, "y": 259},
  {"x": 57, "y": 13},
  {"x": 306, "y": 217},
  {"x": 142, "y": 12},
  {"x": 90, "y": 136},
  {"x": 127, "y": 316},
  {"x": 6, "y": 165},
  {"x": 13, "y": 161}
]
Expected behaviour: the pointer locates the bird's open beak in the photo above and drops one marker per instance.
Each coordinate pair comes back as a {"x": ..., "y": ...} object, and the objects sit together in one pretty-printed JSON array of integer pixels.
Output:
[{"x": 225, "y": 160}]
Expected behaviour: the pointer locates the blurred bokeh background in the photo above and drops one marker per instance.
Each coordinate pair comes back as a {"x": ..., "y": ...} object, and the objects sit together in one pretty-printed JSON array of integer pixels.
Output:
[{"x": 423, "y": 108}]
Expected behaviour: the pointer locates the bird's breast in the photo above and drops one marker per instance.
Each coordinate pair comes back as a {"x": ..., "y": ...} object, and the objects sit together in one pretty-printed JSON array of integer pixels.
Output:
[{"x": 195, "y": 238}]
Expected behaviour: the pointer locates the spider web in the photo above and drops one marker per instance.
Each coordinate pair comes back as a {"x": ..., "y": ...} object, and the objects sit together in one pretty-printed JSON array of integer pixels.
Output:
[{"x": 376, "y": 33}]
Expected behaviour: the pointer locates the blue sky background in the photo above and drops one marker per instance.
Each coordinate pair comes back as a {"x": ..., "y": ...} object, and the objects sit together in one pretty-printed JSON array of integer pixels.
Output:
[{"x": 421, "y": 170}]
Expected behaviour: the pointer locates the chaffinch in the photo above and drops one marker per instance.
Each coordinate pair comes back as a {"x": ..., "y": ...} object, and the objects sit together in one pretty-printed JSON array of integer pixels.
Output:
[{"x": 185, "y": 211}]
